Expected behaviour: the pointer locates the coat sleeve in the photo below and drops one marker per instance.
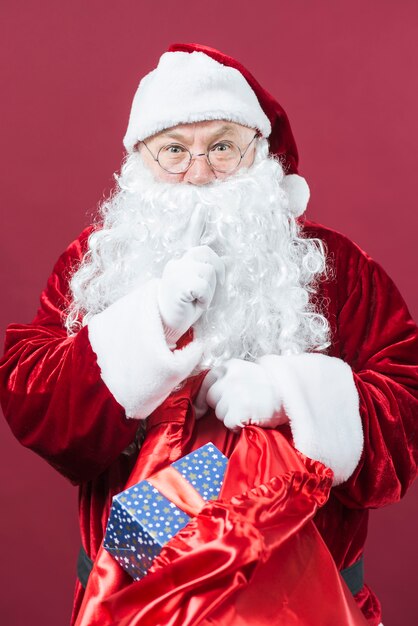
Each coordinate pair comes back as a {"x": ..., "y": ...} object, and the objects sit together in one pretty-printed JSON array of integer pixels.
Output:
[
  {"x": 51, "y": 389},
  {"x": 355, "y": 409},
  {"x": 378, "y": 339}
]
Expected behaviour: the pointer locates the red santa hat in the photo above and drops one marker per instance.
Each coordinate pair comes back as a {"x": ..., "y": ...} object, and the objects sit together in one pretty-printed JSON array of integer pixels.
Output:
[{"x": 194, "y": 83}]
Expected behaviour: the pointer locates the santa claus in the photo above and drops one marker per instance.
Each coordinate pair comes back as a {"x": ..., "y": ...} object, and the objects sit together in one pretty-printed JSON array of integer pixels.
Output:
[{"x": 201, "y": 304}]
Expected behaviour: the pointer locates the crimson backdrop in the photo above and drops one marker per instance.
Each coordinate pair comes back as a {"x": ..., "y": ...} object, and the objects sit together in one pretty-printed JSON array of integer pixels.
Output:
[{"x": 344, "y": 71}]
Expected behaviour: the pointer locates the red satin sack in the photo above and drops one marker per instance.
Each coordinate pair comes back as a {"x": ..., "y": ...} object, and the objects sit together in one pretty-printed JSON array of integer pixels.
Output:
[{"x": 250, "y": 559}]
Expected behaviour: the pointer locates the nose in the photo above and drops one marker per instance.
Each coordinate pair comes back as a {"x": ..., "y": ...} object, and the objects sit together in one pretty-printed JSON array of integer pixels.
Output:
[{"x": 199, "y": 172}]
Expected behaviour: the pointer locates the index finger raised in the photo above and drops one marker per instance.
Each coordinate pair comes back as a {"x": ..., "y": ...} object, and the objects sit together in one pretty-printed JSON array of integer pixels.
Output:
[{"x": 196, "y": 227}]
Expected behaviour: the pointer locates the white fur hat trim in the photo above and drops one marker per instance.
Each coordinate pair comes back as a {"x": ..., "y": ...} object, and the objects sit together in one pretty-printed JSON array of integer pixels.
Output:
[
  {"x": 298, "y": 193},
  {"x": 192, "y": 87}
]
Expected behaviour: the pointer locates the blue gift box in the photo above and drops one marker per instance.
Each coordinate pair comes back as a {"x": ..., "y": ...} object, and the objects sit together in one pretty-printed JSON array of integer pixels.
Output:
[{"x": 142, "y": 519}]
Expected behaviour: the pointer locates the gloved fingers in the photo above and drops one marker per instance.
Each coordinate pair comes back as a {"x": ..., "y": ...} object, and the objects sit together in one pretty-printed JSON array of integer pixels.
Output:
[
  {"x": 198, "y": 289},
  {"x": 180, "y": 274},
  {"x": 201, "y": 404},
  {"x": 208, "y": 381},
  {"x": 200, "y": 410},
  {"x": 221, "y": 409},
  {"x": 205, "y": 254},
  {"x": 203, "y": 296},
  {"x": 215, "y": 393},
  {"x": 234, "y": 422},
  {"x": 196, "y": 227},
  {"x": 205, "y": 271}
]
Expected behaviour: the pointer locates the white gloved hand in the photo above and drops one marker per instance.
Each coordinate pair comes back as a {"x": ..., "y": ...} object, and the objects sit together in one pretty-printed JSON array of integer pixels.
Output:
[
  {"x": 188, "y": 284},
  {"x": 135, "y": 362},
  {"x": 242, "y": 393}
]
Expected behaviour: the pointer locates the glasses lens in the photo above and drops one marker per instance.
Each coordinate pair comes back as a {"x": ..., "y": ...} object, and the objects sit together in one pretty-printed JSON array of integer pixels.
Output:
[
  {"x": 174, "y": 158},
  {"x": 224, "y": 156}
]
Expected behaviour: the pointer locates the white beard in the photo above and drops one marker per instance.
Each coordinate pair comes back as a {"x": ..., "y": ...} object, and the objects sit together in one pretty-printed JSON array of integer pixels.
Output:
[{"x": 265, "y": 305}]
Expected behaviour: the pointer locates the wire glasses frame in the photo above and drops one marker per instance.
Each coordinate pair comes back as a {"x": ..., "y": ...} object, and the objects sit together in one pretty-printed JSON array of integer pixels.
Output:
[{"x": 187, "y": 163}]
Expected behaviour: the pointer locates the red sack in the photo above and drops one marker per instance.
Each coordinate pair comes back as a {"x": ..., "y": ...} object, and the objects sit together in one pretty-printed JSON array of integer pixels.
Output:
[{"x": 254, "y": 557}]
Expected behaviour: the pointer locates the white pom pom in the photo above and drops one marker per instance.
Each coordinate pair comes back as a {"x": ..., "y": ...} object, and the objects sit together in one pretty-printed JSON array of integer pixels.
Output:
[{"x": 298, "y": 193}]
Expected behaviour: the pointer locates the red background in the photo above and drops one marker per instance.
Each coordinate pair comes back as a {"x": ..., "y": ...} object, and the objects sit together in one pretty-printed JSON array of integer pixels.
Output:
[{"x": 346, "y": 74}]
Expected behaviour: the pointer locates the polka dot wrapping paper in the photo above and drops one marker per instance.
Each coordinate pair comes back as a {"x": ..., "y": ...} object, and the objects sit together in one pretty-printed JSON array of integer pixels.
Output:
[{"x": 142, "y": 519}]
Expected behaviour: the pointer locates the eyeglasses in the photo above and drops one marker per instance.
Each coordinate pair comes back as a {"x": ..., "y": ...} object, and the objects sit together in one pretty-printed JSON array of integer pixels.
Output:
[{"x": 224, "y": 156}]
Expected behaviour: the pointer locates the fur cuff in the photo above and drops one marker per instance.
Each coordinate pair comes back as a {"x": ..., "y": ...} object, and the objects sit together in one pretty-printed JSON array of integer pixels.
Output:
[
  {"x": 322, "y": 403},
  {"x": 135, "y": 361}
]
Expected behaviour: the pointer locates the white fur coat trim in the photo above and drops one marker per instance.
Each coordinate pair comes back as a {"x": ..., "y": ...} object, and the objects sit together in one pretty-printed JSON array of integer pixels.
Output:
[
  {"x": 135, "y": 361},
  {"x": 322, "y": 403},
  {"x": 192, "y": 87}
]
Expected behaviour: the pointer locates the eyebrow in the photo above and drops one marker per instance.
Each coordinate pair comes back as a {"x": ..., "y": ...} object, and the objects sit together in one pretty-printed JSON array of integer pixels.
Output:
[{"x": 180, "y": 137}]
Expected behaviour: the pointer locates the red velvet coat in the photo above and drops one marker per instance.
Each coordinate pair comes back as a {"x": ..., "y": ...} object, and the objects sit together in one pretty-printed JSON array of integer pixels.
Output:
[{"x": 57, "y": 405}]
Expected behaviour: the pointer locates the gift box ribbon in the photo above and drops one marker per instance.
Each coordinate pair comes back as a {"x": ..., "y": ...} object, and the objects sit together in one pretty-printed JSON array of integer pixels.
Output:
[{"x": 173, "y": 486}]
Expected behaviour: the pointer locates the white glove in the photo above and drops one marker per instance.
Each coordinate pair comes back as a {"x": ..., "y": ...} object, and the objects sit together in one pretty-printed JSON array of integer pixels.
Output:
[
  {"x": 242, "y": 393},
  {"x": 132, "y": 353},
  {"x": 188, "y": 284}
]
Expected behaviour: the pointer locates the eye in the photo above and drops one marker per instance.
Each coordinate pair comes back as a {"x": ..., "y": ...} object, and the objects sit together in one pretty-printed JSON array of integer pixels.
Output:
[
  {"x": 174, "y": 148},
  {"x": 221, "y": 146}
]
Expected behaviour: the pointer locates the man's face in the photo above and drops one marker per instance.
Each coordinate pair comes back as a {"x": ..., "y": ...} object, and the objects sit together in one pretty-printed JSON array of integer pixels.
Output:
[{"x": 199, "y": 138}]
